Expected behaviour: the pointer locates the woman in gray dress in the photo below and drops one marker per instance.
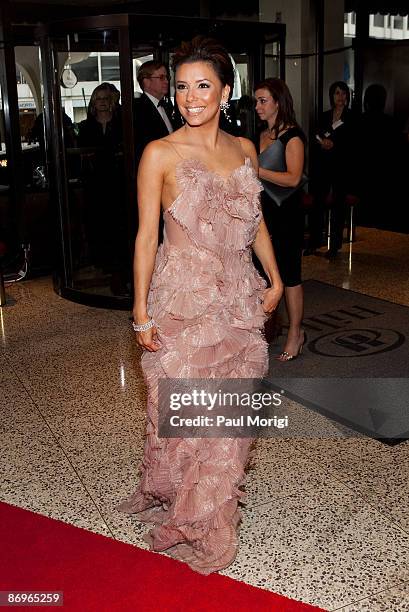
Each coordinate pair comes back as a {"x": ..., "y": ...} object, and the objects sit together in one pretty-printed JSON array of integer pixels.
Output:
[{"x": 281, "y": 162}]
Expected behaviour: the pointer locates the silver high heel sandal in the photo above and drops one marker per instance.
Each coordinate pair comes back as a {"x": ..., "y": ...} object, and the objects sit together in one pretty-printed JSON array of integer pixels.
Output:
[{"x": 285, "y": 356}]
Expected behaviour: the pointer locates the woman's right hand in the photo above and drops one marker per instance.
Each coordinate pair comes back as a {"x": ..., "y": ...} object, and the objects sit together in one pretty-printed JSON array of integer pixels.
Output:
[
  {"x": 326, "y": 144},
  {"x": 272, "y": 297},
  {"x": 148, "y": 340}
]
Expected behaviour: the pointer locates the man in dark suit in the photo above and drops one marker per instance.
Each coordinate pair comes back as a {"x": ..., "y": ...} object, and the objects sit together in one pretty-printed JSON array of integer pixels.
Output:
[{"x": 154, "y": 113}]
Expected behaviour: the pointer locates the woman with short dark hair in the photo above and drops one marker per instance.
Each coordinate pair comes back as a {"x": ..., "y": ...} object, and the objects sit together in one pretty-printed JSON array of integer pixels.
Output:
[{"x": 333, "y": 172}]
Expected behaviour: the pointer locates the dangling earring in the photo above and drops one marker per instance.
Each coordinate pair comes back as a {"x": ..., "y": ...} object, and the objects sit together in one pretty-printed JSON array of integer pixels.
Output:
[{"x": 224, "y": 107}]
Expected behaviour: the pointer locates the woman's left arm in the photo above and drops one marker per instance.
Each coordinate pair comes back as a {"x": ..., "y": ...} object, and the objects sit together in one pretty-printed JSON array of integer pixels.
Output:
[
  {"x": 264, "y": 249},
  {"x": 265, "y": 254},
  {"x": 294, "y": 158}
]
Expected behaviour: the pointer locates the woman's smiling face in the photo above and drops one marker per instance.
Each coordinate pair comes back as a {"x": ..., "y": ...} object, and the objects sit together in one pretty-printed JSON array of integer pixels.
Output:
[{"x": 199, "y": 92}]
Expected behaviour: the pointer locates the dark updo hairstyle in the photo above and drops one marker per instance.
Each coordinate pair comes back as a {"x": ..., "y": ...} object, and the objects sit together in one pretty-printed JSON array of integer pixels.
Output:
[
  {"x": 280, "y": 94},
  {"x": 202, "y": 49},
  {"x": 344, "y": 87}
]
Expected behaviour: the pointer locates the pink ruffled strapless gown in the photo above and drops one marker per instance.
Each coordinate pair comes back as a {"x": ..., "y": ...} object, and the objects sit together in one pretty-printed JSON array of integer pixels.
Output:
[{"x": 205, "y": 296}]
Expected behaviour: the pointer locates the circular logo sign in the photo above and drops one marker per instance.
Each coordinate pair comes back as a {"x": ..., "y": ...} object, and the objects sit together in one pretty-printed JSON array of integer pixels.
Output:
[{"x": 357, "y": 342}]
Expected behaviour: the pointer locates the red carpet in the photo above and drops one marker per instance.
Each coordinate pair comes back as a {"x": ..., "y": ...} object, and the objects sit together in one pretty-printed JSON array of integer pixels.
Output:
[{"x": 99, "y": 574}]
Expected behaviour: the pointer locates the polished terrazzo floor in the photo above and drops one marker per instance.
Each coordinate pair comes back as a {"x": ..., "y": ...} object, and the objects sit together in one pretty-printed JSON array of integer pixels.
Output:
[{"x": 326, "y": 521}]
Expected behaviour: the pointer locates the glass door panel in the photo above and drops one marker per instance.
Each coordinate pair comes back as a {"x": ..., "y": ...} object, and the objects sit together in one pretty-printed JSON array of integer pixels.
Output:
[
  {"x": 242, "y": 98},
  {"x": 91, "y": 108},
  {"x": 272, "y": 60},
  {"x": 36, "y": 222}
]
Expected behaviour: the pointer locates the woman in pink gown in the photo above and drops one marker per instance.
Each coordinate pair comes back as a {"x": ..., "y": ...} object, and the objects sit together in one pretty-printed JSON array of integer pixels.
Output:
[{"x": 199, "y": 306}]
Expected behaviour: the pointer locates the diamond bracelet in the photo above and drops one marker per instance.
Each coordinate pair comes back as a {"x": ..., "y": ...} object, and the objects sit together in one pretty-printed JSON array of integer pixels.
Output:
[{"x": 143, "y": 326}]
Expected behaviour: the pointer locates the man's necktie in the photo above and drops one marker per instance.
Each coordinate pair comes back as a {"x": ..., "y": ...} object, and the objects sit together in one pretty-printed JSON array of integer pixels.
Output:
[{"x": 162, "y": 103}]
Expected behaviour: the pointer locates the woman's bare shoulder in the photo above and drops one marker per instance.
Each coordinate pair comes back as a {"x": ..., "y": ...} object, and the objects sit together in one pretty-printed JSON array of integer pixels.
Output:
[
  {"x": 241, "y": 143},
  {"x": 159, "y": 154},
  {"x": 247, "y": 146},
  {"x": 157, "y": 148}
]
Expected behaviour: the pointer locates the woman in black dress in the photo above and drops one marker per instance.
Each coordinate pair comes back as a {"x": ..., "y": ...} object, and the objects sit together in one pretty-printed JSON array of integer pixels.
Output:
[
  {"x": 281, "y": 162},
  {"x": 333, "y": 169}
]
